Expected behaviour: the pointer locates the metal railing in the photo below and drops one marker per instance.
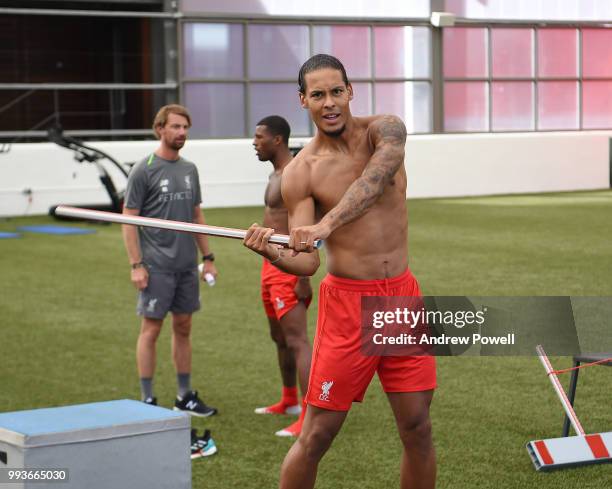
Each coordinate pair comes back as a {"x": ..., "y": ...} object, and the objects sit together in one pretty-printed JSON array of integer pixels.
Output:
[{"x": 38, "y": 130}]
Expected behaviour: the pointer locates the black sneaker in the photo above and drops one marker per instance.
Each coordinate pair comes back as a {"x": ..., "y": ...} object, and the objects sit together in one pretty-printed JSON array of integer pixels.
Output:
[
  {"x": 203, "y": 446},
  {"x": 151, "y": 400},
  {"x": 193, "y": 405}
]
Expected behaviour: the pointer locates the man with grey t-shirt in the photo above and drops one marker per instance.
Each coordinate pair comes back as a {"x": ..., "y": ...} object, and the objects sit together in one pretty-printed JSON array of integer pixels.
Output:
[{"x": 164, "y": 263}]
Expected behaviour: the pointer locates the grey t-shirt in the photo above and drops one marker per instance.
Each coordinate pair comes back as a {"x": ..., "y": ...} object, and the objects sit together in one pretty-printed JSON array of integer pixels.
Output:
[{"x": 166, "y": 190}]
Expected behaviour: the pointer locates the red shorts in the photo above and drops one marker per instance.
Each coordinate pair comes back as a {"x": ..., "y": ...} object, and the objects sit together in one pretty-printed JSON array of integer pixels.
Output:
[
  {"x": 340, "y": 373},
  {"x": 278, "y": 291}
]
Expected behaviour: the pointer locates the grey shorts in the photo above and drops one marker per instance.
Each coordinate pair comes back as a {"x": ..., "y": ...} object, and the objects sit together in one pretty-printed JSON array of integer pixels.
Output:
[{"x": 178, "y": 292}]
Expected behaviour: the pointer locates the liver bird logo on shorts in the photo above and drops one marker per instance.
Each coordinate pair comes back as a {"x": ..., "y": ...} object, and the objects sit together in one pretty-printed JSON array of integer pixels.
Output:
[
  {"x": 151, "y": 305},
  {"x": 325, "y": 387}
]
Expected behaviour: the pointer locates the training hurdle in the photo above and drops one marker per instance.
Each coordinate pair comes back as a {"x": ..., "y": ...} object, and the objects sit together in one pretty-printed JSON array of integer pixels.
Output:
[
  {"x": 568, "y": 451},
  {"x": 604, "y": 359},
  {"x": 114, "y": 444}
]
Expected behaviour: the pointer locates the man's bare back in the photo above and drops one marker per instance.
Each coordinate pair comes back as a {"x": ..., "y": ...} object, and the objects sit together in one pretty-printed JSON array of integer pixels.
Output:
[{"x": 373, "y": 246}]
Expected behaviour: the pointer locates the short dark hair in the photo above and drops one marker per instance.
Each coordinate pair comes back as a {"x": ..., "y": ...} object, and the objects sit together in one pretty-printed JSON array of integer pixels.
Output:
[
  {"x": 277, "y": 125},
  {"x": 318, "y": 62}
]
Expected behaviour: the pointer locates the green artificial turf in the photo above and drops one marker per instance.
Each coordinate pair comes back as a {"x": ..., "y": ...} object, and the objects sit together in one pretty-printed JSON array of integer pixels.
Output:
[{"x": 68, "y": 332}]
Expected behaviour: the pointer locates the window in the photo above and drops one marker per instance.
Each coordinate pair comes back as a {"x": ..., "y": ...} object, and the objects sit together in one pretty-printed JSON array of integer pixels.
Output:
[
  {"x": 402, "y": 52},
  {"x": 350, "y": 44},
  {"x": 361, "y": 105},
  {"x": 465, "y": 56},
  {"x": 597, "y": 53},
  {"x": 466, "y": 107},
  {"x": 512, "y": 106},
  {"x": 408, "y": 100},
  {"x": 557, "y": 52},
  {"x": 243, "y": 71},
  {"x": 277, "y": 51},
  {"x": 211, "y": 51},
  {"x": 277, "y": 99},
  {"x": 511, "y": 52},
  {"x": 465, "y": 52},
  {"x": 535, "y": 81},
  {"x": 217, "y": 109},
  {"x": 597, "y": 104},
  {"x": 558, "y": 105}
]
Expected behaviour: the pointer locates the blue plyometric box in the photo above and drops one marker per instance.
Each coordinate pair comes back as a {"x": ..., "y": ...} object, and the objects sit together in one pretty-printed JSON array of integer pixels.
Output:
[{"x": 110, "y": 444}]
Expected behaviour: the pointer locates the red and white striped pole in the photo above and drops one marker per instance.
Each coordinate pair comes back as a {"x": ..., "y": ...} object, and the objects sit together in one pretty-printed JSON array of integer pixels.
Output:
[{"x": 567, "y": 405}]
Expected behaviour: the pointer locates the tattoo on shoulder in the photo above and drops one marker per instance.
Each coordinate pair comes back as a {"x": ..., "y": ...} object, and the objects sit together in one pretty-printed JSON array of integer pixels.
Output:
[{"x": 391, "y": 127}]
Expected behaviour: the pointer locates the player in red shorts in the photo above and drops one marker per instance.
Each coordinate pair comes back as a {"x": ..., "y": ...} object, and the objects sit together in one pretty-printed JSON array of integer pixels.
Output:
[
  {"x": 285, "y": 296},
  {"x": 348, "y": 187}
]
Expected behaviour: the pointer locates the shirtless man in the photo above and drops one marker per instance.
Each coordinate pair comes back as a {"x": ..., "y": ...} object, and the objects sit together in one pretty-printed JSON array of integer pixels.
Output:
[
  {"x": 348, "y": 187},
  {"x": 285, "y": 297}
]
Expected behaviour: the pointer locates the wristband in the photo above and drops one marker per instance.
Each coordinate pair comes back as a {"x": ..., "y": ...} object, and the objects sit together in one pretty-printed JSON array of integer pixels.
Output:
[
  {"x": 137, "y": 265},
  {"x": 209, "y": 257}
]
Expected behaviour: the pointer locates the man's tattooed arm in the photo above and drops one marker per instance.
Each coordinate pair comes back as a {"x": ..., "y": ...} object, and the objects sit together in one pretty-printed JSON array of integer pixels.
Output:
[{"x": 388, "y": 136}]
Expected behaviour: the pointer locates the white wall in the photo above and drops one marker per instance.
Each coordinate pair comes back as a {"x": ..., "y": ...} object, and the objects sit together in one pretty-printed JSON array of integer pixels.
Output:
[
  {"x": 437, "y": 166},
  {"x": 481, "y": 164},
  {"x": 231, "y": 175}
]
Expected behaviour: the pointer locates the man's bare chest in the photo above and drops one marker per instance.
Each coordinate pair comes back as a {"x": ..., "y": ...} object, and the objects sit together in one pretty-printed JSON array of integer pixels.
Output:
[
  {"x": 273, "y": 197},
  {"x": 331, "y": 177}
]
